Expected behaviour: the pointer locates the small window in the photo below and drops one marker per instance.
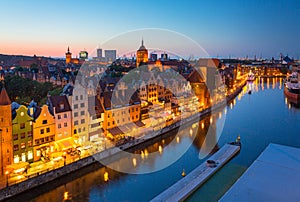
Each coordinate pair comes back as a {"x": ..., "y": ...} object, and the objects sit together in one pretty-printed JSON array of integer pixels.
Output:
[
  {"x": 42, "y": 131},
  {"x": 81, "y": 97},
  {"x": 23, "y": 145},
  {"x": 61, "y": 106},
  {"x": 22, "y": 125},
  {"x": 65, "y": 116},
  {"x": 76, "y": 106},
  {"x": 59, "y": 125},
  {"x": 76, "y": 97},
  {"x": 82, "y": 105},
  {"x": 59, "y": 117},
  {"x": 75, "y": 114},
  {"x": 16, "y": 147},
  {"x": 15, "y": 136},
  {"x": 75, "y": 123},
  {"x": 44, "y": 121},
  {"x": 48, "y": 130},
  {"x": 29, "y": 143},
  {"x": 29, "y": 134},
  {"x": 65, "y": 124},
  {"x": 82, "y": 113},
  {"x": 22, "y": 135},
  {"x": 82, "y": 121}
]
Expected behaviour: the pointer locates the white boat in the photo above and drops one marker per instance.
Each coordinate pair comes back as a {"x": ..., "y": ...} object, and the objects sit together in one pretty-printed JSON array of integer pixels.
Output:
[{"x": 292, "y": 87}]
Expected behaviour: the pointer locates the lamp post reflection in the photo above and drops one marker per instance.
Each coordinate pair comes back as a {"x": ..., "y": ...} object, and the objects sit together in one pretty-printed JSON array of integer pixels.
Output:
[{"x": 6, "y": 174}]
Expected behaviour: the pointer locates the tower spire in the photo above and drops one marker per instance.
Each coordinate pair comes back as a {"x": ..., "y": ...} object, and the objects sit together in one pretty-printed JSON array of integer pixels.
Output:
[
  {"x": 142, "y": 42},
  {"x": 68, "y": 49}
]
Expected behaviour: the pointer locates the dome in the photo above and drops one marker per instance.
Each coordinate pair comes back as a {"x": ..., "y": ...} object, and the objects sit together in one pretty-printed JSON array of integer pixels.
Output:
[{"x": 142, "y": 46}]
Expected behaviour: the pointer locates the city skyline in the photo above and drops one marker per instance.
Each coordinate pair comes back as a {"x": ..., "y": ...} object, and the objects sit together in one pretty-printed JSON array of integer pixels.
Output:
[{"x": 231, "y": 28}]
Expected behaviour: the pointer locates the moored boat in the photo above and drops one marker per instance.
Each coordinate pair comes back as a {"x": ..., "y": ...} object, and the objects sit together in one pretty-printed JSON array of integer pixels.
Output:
[{"x": 292, "y": 87}]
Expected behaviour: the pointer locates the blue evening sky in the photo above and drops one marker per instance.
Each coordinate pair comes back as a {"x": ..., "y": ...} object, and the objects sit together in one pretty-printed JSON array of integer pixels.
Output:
[{"x": 222, "y": 27}]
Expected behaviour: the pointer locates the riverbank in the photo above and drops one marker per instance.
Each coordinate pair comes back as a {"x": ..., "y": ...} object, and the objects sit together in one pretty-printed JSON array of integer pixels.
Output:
[{"x": 103, "y": 156}]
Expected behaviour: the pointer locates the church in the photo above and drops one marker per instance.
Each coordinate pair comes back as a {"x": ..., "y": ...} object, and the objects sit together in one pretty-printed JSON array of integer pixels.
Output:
[{"x": 141, "y": 55}]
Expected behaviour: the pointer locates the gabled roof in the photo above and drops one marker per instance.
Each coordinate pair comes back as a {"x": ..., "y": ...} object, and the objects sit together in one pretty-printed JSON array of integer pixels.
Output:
[
  {"x": 60, "y": 103},
  {"x": 4, "y": 99},
  {"x": 195, "y": 77}
]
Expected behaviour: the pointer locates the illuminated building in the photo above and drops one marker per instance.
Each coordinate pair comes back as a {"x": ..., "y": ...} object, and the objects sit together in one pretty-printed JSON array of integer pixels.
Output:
[
  {"x": 43, "y": 132},
  {"x": 5, "y": 131},
  {"x": 141, "y": 55},
  {"x": 83, "y": 55},
  {"x": 22, "y": 135},
  {"x": 68, "y": 56}
]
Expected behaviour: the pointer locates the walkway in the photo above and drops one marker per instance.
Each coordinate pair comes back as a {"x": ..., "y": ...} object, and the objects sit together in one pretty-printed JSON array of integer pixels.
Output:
[{"x": 187, "y": 185}]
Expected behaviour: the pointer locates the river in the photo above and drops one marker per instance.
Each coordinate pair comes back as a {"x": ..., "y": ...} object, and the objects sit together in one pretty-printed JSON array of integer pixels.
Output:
[{"x": 262, "y": 117}]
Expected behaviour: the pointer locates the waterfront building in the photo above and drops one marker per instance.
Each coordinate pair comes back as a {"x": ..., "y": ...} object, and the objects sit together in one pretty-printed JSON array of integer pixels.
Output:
[
  {"x": 43, "y": 132},
  {"x": 22, "y": 135},
  {"x": 6, "y": 147},
  {"x": 141, "y": 55},
  {"x": 96, "y": 117},
  {"x": 59, "y": 107},
  {"x": 79, "y": 104}
]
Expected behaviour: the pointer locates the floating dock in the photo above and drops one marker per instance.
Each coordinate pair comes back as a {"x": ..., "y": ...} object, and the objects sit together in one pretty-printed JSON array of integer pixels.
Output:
[{"x": 187, "y": 185}]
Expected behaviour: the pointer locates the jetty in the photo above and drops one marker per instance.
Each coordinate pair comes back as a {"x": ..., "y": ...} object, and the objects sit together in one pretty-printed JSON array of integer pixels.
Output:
[{"x": 188, "y": 184}]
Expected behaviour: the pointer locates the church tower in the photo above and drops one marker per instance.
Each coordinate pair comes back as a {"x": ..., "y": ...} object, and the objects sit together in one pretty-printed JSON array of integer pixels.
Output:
[
  {"x": 6, "y": 147},
  {"x": 141, "y": 55},
  {"x": 68, "y": 56}
]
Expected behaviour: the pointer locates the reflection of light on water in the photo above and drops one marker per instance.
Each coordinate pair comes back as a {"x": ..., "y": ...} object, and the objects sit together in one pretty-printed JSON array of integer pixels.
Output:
[
  {"x": 202, "y": 125},
  {"x": 220, "y": 115},
  {"x": 231, "y": 105},
  {"x": 146, "y": 153},
  {"x": 225, "y": 111},
  {"x": 134, "y": 162},
  {"x": 286, "y": 101},
  {"x": 268, "y": 83},
  {"x": 290, "y": 105},
  {"x": 177, "y": 139},
  {"x": 142, "y": 155},
  {"x": 274, "y": 83},
  {"x": 160, "y": 149},
  {"x": 163, "y": 141},
  {"x": 211, "y": 120},
  {"x": 105, "y": 176},
  {"x": 280, "y": 83},
  {"x": 191, "y": 131}
]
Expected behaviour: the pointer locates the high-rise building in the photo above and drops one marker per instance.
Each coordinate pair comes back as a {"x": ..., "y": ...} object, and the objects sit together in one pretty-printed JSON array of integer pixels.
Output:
[
  {"x": 141, "y": 55},
  {"x": 6, "y": 153},
  {"x": 110, "y": 55},
  {"x": 153, "y": 57},
  {"x": 99, "y": 53},
  {"x": 83, "y": 55}
]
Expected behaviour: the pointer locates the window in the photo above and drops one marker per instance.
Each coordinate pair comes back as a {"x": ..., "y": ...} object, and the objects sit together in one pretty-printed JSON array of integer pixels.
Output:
[
  {"x": 44, "y": 122},
  {"x": 76, "y": 97},
  {"x": 59, "y": 117},
  {"x": 47, "y": 139},
  {"x": 108, "y": 124},
  {"x": 23, "y": 145},
  {"x": 22, "y": 135},
  {"x": 42, "y": 140},
  {"x": 81, "y": 97},
  {"x": 52, "y": 138},
  {"x": 136, "y": 116},
  {"x": 79, "y": 130},
  {"x": 59, "y": 135},
  {"x": 61, "y": 106},
  {"x": 75, "y": 131},
  {"x": 16, "y": 147},
  {"x": 108, "y": 116},
  {"x": 82, "y": 113},
  {"x": 82, "y": 121},
  {"x": 48, "y": 130},
  {"x": 82, "y": 105},
  {"x": 76, "y": 106},
  {"x": 75, "y": 123},
  {"x": 59, "y": 125},
  {"x": 65, "y": 116},
  {"x": 113, "y": 122},
  {"x": 37, "y": 142},
  {"x": 136, "y": 109},
  {"x": 22, "y": 125},
  {"x": 15, "y": 136},
  {"x": 29, "y": 134},
  {"x": 29, "y": 143},
  {"x": 65, "y": 124},
  {"x": 42, "y": 131},
  {"x": 75, "y": 114}
]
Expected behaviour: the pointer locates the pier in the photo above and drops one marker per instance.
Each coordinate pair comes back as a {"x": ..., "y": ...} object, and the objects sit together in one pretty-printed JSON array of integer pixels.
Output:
[{"x": 187, "y": 185}]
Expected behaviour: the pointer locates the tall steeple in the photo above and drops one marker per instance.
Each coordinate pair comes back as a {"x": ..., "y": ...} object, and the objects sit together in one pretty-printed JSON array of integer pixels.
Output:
[
  {"x": 4, "y": 99},
  {"x": 142, "y": 42}
]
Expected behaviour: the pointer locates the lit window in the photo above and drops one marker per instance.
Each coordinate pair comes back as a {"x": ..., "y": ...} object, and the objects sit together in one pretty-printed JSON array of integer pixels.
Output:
[{"x": 65, "y": 116}]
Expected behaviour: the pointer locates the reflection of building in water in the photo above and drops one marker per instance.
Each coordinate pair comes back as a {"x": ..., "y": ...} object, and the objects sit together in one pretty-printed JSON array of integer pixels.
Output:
[{"x": 206, "y": 138}]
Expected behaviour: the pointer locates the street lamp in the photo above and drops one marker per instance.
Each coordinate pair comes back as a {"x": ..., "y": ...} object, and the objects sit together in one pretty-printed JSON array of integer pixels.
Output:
[
  {"x": 65, "y": 157},
  {"x": 6, "y": 174}
]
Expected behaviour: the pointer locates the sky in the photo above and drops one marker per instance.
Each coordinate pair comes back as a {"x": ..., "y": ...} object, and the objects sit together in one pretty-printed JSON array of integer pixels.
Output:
[{"x": 234, "y": 28}]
